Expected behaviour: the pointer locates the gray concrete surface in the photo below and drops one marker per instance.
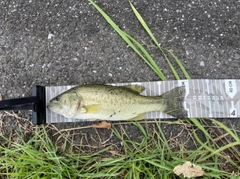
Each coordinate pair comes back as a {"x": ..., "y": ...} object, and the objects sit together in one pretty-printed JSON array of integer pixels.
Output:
[{"x": 68, "y": 42}]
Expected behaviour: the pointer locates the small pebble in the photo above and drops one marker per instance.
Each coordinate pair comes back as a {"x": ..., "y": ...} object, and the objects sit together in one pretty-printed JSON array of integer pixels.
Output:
[
  {"x": 202, "y": 64},
  {"x": 237, "y": 56},
  {"x": 50, "y": 36}
]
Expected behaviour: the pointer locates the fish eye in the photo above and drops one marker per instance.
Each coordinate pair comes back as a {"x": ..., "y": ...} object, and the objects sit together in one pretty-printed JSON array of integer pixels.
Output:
[{"x": 58, "y": 98}]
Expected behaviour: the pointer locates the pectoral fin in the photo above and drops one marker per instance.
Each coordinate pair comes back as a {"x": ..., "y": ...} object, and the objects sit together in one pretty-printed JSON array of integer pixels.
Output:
[
  {"x": 89, "y": 109},
  {"x": 94, "y": 108},
  {"x": 87, "y": 112},
  {"x": 82, "y": 110},
  {"x": 138, "y": 117}
]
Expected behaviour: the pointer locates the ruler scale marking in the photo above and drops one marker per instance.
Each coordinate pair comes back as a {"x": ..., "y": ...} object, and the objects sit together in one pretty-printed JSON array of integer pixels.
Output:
[
  {"x": 219, "y": 102},
  {"x": 216, "y": 103},
  {"x": 200, "y": 102},
  {"x": 205, "y": 99}
]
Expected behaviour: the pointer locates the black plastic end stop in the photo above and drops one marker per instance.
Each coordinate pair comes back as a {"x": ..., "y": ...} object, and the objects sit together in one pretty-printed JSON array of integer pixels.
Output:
[{"x": 39, "y": 112}]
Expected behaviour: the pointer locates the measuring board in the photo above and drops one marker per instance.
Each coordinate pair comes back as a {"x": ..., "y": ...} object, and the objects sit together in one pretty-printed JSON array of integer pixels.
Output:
[{"x": 204, "y": 98}]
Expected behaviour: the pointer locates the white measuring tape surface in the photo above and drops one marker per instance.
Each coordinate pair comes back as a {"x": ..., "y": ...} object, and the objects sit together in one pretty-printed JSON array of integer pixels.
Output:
[{"x": 204, "y": 98}]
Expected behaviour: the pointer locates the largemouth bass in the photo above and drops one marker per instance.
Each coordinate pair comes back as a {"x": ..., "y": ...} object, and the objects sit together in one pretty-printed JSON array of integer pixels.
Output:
[{"x": 107, "y": 102}]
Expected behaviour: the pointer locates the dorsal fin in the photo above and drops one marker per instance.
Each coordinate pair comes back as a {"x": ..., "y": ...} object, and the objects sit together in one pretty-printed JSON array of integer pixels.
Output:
[{"x": 135, "y": 88}]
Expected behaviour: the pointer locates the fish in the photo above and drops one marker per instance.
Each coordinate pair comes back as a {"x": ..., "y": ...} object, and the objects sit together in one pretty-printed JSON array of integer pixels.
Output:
[{"x": 116, "y": 103}]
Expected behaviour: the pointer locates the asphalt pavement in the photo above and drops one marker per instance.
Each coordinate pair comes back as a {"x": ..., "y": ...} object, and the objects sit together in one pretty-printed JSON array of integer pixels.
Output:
[{"x": 69, "y": 42}]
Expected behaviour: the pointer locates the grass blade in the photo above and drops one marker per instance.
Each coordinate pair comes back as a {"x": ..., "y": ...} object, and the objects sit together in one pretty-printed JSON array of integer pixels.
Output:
[
  {"x": 145, "y": 26},
  {"x": 236, "y": 137},
  {"x": 179, "y": 64},
  {"x": 128, "y": 39}
]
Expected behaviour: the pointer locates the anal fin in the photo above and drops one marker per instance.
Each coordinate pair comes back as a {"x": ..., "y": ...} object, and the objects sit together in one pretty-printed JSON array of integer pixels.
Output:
[{"x": 138, "y": 117}]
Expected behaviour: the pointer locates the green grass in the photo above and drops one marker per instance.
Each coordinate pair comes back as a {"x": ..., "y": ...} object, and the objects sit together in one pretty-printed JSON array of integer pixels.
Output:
[{"x": 151, "y": 157}]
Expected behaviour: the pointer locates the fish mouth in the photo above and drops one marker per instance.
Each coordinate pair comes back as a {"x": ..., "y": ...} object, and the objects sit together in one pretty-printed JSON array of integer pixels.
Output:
[{"x": 49, "y": 106}]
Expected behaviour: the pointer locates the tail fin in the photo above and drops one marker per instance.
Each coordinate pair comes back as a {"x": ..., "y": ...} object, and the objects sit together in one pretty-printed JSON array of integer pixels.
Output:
[{"x": 173, "y": 102}]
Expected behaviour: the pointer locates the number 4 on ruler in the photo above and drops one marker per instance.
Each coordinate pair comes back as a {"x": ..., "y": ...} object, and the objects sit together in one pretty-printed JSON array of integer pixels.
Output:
[{"x": 233, "y": 112}]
